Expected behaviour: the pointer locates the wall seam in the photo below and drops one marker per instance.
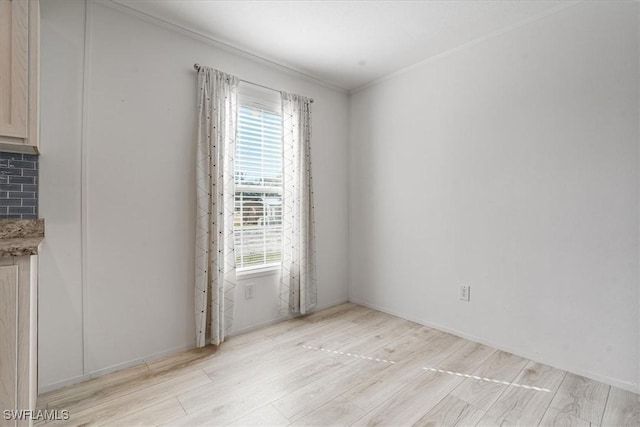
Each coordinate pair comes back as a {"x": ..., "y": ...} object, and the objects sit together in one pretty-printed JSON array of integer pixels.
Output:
[
  {"x": 83, "y": 180},
  {"x": 349, "y": 191}
]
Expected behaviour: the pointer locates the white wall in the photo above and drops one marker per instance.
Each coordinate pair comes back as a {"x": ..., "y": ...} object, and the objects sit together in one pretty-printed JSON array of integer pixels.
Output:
[
  {"x": 510, "y": 165},
  {"x": 139, "y": 202},
  {"x": 60, "y": 278}
]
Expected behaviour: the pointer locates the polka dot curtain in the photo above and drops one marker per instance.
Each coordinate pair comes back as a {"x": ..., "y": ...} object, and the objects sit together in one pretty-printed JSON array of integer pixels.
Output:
[
  {"x": 215, "y": 270},
  {"x": 298, "y": 288}
]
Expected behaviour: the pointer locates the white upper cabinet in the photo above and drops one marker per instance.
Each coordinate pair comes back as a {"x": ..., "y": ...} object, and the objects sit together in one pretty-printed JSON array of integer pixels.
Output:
[{"x": 19, "y": 25}]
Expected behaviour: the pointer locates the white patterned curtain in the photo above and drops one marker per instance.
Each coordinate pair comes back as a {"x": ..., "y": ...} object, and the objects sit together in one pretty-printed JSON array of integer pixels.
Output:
[
  {"x": 215, "y": 273},
  {"x": 298, "y": 288}
]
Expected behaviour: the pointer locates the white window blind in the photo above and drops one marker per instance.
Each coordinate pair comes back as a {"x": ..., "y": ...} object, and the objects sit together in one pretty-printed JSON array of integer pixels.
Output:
[{"x": 258, "y": 178}]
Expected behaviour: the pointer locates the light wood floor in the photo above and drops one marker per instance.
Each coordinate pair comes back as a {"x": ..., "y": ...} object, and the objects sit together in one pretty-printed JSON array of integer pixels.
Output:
[{"x": 347, "y": 365}]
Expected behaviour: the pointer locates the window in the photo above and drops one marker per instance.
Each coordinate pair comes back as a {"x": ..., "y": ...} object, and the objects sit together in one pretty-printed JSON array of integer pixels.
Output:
[{"x": 258, "y": 179}]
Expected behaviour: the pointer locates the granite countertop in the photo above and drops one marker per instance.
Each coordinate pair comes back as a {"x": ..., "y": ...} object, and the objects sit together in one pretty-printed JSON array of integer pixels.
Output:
[{"x": 20, "y": 237}]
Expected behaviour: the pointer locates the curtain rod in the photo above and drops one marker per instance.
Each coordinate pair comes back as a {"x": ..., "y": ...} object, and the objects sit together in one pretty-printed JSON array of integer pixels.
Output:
[{"x": 197, "y": 67}]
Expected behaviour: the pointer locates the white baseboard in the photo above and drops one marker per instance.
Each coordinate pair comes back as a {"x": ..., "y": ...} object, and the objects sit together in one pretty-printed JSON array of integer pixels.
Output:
[
  {"x": 625, "y": 385},
  {"x": 280, "y": 319},
  {"x": 104, "y": 371},
  {"x": 147, "y": 359}
]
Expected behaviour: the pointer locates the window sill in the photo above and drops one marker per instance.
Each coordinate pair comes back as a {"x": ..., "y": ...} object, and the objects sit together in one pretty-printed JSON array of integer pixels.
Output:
[{"x": 249, "y": 273}]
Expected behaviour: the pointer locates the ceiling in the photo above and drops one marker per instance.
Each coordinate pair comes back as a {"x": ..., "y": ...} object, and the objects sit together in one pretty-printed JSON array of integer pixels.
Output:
[{"x": 345, "y": 43}]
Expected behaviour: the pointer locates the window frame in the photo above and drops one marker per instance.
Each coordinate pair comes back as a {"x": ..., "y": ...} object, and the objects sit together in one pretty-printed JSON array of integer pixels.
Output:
[{"x": 269, "y": 101}]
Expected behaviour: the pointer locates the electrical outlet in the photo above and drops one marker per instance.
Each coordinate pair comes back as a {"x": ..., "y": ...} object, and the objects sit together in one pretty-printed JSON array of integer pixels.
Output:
[
  {"x": 249, "y": 291},
  {"x": 465, "y": 292}
]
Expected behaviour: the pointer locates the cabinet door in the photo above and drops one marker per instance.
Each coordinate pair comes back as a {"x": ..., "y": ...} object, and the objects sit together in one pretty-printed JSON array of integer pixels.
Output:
[
  {"x": 14, "y": 63},
  {"x": 8, "y": 341}
]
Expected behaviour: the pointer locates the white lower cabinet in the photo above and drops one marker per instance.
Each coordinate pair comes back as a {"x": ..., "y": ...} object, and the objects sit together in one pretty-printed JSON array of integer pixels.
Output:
[{"x": 18, "y": 339}]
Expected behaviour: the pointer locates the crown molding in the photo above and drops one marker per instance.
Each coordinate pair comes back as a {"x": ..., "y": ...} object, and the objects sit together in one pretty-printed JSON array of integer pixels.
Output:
[
  {"x": 287, "y": 69},
  {"x": 478, "y": 40}
]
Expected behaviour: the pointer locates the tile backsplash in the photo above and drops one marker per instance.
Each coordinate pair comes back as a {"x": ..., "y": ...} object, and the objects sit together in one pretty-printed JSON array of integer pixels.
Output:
[{"x": 18, "y": 186}]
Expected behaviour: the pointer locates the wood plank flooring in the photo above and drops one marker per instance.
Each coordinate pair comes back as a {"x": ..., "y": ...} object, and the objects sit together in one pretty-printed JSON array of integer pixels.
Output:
[{"x": 346, "y": 365}]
